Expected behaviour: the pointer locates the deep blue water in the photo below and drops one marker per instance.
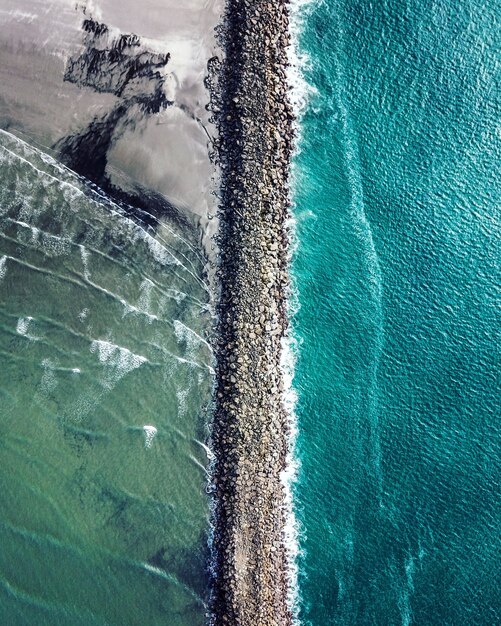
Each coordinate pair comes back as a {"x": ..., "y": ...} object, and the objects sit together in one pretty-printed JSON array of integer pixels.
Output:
[{"x": 397, "y": 270}]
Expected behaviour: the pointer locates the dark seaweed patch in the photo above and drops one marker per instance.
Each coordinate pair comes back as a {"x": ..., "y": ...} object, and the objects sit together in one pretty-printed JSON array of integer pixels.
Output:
[
  {"x": 108, "y": 64},
  {"x": 87, "y": 152},
  {"x": 123, "y": 66},
  {"x": 92, "y": 26}
]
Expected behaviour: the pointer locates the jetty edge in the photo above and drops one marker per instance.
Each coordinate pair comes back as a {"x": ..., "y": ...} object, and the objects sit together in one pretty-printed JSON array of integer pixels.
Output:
[{"x": 250, "y": 429}]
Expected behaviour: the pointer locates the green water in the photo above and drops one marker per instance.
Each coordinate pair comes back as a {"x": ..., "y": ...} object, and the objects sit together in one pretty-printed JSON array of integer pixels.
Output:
[
  {"x": 102, "y": 327},
  {"x": 398, "y": 275}
]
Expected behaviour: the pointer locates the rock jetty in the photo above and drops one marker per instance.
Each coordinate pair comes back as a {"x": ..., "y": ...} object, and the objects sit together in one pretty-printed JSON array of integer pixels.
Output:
[{"x": 250, "y": 430}]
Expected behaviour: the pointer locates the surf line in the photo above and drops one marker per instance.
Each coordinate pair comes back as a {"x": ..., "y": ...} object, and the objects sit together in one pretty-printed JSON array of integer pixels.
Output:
[{"x": 251, "y": 424}]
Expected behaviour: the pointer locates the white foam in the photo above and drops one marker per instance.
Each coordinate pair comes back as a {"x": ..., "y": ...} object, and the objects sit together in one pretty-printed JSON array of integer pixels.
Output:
[
  {"x": 85, "y": 405},
  {"x": 3, "y": 267},
  {"x": 182, "y": 396},
  {"x": 145, "y": 298},
  {"x": 206, "y": 449},
  {"x": 9, "y": 156},
  {"x": 300, "y": 90},
  {"x": 84, "y": 313},
  {"x": 159, "y": 252},
  {"x": 49, "y": 381},
  {"x": 154, "y": 570},
  {"x": 119, "y": 361},
  {"x": 84, "y": 253},
  {"x": 150, "y": 433},
  {"x": 128, "y": 308},
  {"x": 50, "y": 245},
  {"x": 406, "y": 592},
  {"x": 23, "y": 324},
  {"x": 300, "y": 94},
  {"x": 289, "y": 475},
  {"x": 176, "y": 295},
  {"x": 21, "y": 16}
]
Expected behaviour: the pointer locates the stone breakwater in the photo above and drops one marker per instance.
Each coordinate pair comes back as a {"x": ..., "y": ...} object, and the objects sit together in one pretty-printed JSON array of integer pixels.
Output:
[{"x": 250, "y": 430}]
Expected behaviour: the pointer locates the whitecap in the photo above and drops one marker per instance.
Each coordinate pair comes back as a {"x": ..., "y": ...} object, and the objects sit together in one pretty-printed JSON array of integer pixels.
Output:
[
  {"x": 118, "y": 361},
  {"x": 150, "y": 433},
  {"x": 23, "y": 324}
]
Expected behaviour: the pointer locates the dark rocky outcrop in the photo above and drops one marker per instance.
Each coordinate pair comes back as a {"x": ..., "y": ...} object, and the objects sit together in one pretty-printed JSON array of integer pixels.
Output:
[{"x": 250, "y": 429}]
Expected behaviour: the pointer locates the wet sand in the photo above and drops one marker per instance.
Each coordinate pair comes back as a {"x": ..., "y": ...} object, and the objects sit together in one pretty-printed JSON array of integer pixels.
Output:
[
  {"x": 250, "y": 431},
  {"x": 166, "y": 152}
]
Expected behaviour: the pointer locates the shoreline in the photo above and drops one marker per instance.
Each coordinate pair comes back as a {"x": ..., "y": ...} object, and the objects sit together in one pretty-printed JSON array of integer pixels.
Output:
[{"x": 251, "y": 425}]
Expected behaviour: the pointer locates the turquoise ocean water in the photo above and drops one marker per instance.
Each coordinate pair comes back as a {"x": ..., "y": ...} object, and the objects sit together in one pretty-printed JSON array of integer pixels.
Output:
[{"x": 397, "y": 270}]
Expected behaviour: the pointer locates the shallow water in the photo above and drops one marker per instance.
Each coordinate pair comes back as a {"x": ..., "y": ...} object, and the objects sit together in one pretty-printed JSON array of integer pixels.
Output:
[
  {"x": 397, "y": 273},
  {"x": 105, "y": 384}
]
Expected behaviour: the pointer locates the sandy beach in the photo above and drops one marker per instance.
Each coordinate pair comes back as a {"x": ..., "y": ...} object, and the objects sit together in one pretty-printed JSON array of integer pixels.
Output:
[{"x": 165, "y": 151}]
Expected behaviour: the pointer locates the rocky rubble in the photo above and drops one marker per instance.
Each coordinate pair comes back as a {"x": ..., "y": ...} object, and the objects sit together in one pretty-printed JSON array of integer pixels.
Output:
[{"x": 250, "y": 430}]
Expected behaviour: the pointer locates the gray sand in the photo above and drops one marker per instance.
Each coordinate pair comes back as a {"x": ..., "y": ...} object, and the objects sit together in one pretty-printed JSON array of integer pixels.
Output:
[{"x": 168, "y": 151}]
